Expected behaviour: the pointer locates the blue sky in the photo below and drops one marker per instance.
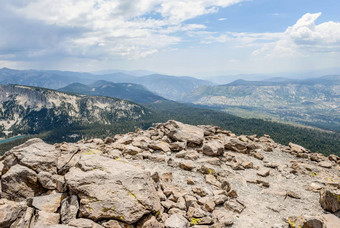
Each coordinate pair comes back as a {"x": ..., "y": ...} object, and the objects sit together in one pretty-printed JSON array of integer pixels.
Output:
[{"x": 182, "y": 37}]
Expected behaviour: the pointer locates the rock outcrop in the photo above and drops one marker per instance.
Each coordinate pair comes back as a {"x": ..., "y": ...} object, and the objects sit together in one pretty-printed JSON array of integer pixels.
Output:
[{"x": 172, "y": 175}]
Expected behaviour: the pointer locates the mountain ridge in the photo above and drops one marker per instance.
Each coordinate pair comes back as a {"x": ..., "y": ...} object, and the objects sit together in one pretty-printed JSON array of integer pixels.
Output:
[
  {"x": 127, "y": 91},
  {"x": 34, "y": 109}
]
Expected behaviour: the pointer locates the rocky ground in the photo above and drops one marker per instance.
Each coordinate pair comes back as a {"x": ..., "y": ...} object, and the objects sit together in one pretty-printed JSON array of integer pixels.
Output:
[{"x": 173, "y": 175}]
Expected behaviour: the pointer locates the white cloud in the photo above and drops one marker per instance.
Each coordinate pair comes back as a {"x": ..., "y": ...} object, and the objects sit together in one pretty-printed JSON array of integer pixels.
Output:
[
  {"x": 305, "y": 37},
  {"x": 133, "y": 29},
  {"x": 300, "y": 39},
  {"x": 222, "y": 19}
]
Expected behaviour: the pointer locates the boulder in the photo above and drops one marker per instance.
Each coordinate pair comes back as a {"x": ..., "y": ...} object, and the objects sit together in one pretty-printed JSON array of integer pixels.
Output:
[
  {"x": 48, "y": 203},
  {"x": 20, "y": 183},
  {"x": 213, "y": 148},
  {"x": 69, "y": 209},
  {"x": 330, "y": 199},
  {"x": 44, "y": 219},
  {"x": 178, "y": 131},
  {"x": 25, "y": 220},
  {"x": 326, "y": 164},
  {"x": 331, "y": 221},
  {"x": 306, "y": 222},
  {"x": 223, "y": 216},
  {"x": 84, "y": 223},
  {"x": 10, "y": 211},
  {"x": 176, "y": 221},
  {"x": 110, "y": 189},
  {"x": 149, "y": 222},
  {"x": 297, "y": 148},
  {"x": 235, "y": 144},
  {"x": 36, "y": 155},
  {"x": 49, "y": 181},
  {"x": 159, "y": 145}
]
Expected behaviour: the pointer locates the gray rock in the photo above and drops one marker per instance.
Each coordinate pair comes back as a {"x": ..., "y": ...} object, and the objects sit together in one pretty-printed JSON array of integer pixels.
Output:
[
  {"x": 330, "y": 199},
  {"x": 20, "y": 183},
  {"x": 69, "y": 209},
  {"x": 149, "y": 222},
  {"x": 176, "y": 221},
  {"x": 36, "y": 155},
  {"x": 84, "y": 223},
  {"x": 48, "y": 203},
  {"x": 10, "y": 211},
  {"x": 43, "y": 219},
  {"x": 223, "y": 216},
  {"x": 213, "y": 148},
  {"x": 112, "y": 189},
  {"x": 49, "y": 181},
  {"x": 25, "y": 220},
  {"x": 184, "y": 132}
]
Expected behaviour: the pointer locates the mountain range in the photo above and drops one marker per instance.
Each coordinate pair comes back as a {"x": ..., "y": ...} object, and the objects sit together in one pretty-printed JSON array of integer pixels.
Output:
[
  {"x": 127, "y": 91},
  {"x": 169, "y": 87},
  {"x": 314, "y": 102}
]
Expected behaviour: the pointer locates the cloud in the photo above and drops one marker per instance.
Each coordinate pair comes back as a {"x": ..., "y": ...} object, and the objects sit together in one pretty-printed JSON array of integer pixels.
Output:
[
  {"x": 222, "y": 19},
  {"x": 305, "y": 37},
  {"x": 302, "y": 38},
  {"x": 101, "y": 28}
]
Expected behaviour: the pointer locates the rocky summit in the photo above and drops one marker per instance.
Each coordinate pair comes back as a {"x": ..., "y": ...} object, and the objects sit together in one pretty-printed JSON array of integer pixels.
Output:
[{"x": 172, "y": 175}]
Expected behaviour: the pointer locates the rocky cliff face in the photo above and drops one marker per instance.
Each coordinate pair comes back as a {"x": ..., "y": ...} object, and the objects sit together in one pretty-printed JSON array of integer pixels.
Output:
[
  {"x": 173, "y": 175},
  {"x": 37, "y": 109}
]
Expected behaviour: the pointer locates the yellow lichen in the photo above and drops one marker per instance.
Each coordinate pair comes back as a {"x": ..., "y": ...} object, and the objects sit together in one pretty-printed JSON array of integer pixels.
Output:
[
  {"x": 313, "y": 174},
  {"x": 195, "y": 221}
]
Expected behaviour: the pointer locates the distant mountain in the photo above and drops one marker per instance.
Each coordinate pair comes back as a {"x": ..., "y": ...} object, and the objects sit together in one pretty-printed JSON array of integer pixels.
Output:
[
  {"x": 137, "y": 73},
  {"x": 170, "y": 87},
  {"x": 313, "y": 101},
  {"x": 126, "y": 91},
  {"x": 46, "y": 79},
  {"x": 33, "y": 109}
]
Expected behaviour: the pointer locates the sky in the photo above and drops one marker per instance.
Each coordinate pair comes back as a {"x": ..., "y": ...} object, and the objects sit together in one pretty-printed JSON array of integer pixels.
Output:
[{"x": 201, "y": 38}]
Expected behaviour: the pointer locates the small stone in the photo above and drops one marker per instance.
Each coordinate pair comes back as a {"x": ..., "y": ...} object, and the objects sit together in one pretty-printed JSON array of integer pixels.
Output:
[
  {"x": 210, "y": 179},
  {"x": 176, "y": 221},
  {"x": 247, "y": 165},
  {"x": 257, "y": 155},
  {"x": 293, "y": 194},
  {"x": 196, "y": 212},
  {"x": 190, "y": 181},
  {"x": 181, "y": 154},
  {"x": 264, "y": 173},
  {"x": 199, "y": 191},
  {"x": 232, "y": 194},
  {"x": 234, "y": 205},
  {"x": 326, "y": 164},
  {"x": 187, "y": 165},
  {"x": 263, "y": 183},
  {"x": 166, "y": 177}
]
